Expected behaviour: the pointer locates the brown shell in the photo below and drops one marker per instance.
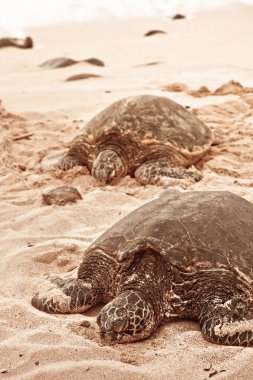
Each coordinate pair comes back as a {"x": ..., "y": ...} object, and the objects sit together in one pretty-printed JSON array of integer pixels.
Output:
[
  {"x": 190, "y": 229},
  {"x": 138, "y": 122}
]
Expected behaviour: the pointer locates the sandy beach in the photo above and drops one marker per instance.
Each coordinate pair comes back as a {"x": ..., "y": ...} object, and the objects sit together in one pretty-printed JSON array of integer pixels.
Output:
[{"x": 41, "y": 112}]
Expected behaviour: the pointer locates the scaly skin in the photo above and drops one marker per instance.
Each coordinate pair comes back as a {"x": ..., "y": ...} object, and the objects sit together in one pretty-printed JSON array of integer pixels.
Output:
[
  {"x": 75, "y": 295},
  {"x": 154, "y": 172},
  {"x": 108, "y": 166},
  {"x": 145, "y": 291}
]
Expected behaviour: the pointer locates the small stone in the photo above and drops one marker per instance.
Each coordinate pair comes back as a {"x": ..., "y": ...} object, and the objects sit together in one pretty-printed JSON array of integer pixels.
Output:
[
  {"x": 95, "y": 61},
  {"x": 82, "y": 76},
  {"x": 22, "y": 167},
  {"x": 155, "y": 31},
  {"x": 61, "y": 196},
  {"x": 85, "y": 324},
  {"x": 178, "y": 16},
  {"x": 213, "y": 373}
]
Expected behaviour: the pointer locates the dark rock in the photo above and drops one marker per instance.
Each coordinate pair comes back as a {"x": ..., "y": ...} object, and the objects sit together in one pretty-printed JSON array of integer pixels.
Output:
[
  {"x": 178, "y": 16},
  {"x": 94, "y": 61},
  {"x": 82, "y": 76},
  {"x": 61, "y": 196},
  {"x": 155, "y": 31}
]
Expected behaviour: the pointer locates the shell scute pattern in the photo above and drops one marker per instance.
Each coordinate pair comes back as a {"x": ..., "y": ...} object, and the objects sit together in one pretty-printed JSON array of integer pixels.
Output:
[{"x": 210, "y": 227}]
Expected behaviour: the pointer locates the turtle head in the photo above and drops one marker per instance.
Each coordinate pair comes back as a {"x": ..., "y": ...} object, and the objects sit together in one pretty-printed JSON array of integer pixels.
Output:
[
  {"x": 127, "y": 318},
  {"x": 107, "y": 166}
]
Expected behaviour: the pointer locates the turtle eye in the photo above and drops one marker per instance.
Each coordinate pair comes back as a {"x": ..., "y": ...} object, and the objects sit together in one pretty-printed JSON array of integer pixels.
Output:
[{"x": 120, "y": 324}]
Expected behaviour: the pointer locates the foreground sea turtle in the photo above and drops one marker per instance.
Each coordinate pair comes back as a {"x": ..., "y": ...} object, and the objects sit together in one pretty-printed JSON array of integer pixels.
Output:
[
  {"x": 184, "y": 255},
  {"x": 146, "y": 136}
]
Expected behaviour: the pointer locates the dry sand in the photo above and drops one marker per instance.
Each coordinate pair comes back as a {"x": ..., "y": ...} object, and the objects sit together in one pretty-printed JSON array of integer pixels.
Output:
[{"x": 43, "y": 113}]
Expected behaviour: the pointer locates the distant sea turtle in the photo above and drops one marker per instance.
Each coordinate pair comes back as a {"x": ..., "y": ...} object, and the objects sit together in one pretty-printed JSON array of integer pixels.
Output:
[
  {"x": 22, "y": 43},
  {"x": 183, "y": 255},
  {"x": 59, "y": 62},
  {"x": 146, "y": 136}
]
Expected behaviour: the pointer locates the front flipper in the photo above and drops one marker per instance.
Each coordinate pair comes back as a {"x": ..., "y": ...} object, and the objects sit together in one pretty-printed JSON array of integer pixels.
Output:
[
  {"x": 155, "y": 172},
  {"x": 229, "y": 323},
  {"x": 67, "y": 162},
  {"x": 64, "y": 296},
  {"x": 80, "y": 153}
]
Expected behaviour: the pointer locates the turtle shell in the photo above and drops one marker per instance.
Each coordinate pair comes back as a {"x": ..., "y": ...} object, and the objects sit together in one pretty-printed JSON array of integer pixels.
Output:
[
  {"x": 142, "y": 124},
  {"x": 190, "y": 229}
]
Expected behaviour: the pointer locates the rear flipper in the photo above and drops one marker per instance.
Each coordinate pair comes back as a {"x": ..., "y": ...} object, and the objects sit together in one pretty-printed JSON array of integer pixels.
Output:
[
  {"x": 155, "y": 172},
  {"x": 229, "y": 323},
  {"x": 61, "y": 295}
]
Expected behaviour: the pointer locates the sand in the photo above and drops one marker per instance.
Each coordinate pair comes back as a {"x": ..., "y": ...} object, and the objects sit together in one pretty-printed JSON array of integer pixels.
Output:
[{"x": 41, "y": 114}]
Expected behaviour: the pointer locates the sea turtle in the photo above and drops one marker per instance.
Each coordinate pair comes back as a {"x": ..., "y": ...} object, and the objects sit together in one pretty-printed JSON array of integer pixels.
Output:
[
  {"x": 22, "y": 43},
  {"x": 183, "y": 255},
  {"x": 146, "y": 136},
  {"x": 60, "y": 62}
]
